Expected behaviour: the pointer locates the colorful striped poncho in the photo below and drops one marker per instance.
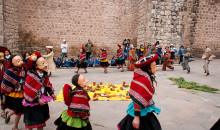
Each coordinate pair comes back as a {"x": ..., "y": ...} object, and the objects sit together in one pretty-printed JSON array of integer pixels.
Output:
[
  {"x": 33, "y": 85},
  {"x": 11, "y": 79},
  {"x": 79, "y": 106},
  {"x": 141, "y": 90}
]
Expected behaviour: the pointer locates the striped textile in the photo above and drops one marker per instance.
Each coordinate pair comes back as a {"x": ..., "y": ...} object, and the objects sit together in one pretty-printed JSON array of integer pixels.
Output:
[
  {"x": 34, "y": 83},
  {"x": 103, "y": 55},
  {"x": 79, "y": 101},
  {"x": 141, "y": 90},
  {"x": 11, "y": 79},
  {"x": 119, "y": 53},
  {"x": 82, "y": 57}
]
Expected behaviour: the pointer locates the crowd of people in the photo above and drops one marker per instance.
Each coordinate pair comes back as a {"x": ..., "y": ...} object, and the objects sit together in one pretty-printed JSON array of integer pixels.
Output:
[{"x": 26, "y": 87}]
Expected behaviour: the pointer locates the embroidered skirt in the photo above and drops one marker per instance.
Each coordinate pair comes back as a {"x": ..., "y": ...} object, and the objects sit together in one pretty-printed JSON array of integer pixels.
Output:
[{"x": 66, "y": 122}]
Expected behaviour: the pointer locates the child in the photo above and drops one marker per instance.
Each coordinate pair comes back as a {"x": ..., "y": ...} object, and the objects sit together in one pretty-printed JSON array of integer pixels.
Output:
[
  {"x": 12, "y": 87},
  {"x": 97, "y": 62},
  {"x": 113, "y": 61},
  {"x": 132, "y": 58},
  {"x": 167, "y": 60},
  {"x": 181, "y": 52},
  {"x": 159, "y": 53},
  {"x": 77, "y": 100},
  {"x": 120, "y": 61},
  {"x": 173, "y": 51},
  {"x": 207, "y": 57},
  {"x": 66, "y": 62},
  {"x": 82, "y": 60},
  {"x": 72, "y": 62},
  {"x": 91, "y": 61},
  {"x": 104, "y": 61},
  {"x": 58, "y": 62},
  {"x": 37, "y": 88},
  {"x": 187, "y": 58},
  {"x": 2, "y": 70},
  {"x": 140, "y": 110}
]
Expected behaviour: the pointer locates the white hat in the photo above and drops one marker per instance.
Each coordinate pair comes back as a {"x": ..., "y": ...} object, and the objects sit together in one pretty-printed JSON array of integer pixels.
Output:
[
  {"x": 49, "y": 47},
  {"x": 64, "y": 40}
]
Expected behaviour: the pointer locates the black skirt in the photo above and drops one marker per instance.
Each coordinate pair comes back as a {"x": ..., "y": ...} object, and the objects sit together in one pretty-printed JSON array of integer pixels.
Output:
[
  {"x": 120, "y": 62},
  {"x": 148, "y": 122},
  {"x": 82, "y": 65},
  {"x": 104, "y": 64},
  {"x": 36, "y": 116},
  {"x": 172, "y": 56},
  {"x": 62, "y": 125},
  {"x": 14, "y": 104}
]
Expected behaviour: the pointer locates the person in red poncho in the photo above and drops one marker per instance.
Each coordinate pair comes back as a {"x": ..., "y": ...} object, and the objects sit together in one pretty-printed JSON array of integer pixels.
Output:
[
  {"x": 104, "y": 61},
  {"x": 2, "y": 70},
  {"x": 167, "y": 60},
  {"x": 120, "y": 61},
  {"x": 140, "y": 110},
  {"x": 82, "y": 60},
  {"x": 36, "y": 93},
  {"x": 76, "y": 117},
  {"x": 12, "y": 88}
]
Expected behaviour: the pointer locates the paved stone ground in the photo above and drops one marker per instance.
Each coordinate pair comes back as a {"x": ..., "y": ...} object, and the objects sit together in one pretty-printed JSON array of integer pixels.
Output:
[{"x": 181, "y": 109}]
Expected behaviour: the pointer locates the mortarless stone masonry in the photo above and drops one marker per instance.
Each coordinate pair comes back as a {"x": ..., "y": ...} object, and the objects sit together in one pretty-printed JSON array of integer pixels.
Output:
[{"x": 33, "y": 24}]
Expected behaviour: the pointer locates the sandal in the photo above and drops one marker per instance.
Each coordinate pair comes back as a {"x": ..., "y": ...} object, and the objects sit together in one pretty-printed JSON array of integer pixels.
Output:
[{"x": 7, "y": 120}]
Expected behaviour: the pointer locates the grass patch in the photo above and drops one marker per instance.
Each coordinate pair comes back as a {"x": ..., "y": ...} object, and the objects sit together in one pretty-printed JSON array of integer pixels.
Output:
[
  {"x": 217, "y": 106},
  {"x": 192, "y": 85}
]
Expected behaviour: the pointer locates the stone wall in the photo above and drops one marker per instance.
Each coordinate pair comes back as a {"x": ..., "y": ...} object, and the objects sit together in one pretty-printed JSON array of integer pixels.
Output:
[
  {"x": 193, "y": 23},
  {"x": 31, "y": 25},
  {"x": 49, "y": 22},
  {"x": 10, "y": 23}
]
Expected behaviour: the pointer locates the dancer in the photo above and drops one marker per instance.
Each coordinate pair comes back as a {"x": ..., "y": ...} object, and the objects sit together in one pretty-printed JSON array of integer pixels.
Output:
[
  {"x": 37, "y": 88},
  {"x": 167, "y": 60},
  {"x": 132, "y": 58},
  {"x": 207, "y": 57},
  {"x": 76, "y": 117},
  {"x": 2, "y": 70},
  {"x": 51, "y": 67},
  {"x": 12, "y": 87},
  {"x": 187, "y": 58},
  {"x": 83, "y": 62},
  {"x": 104, "y": 61},
  {"x": 120, "y": 61},
  {"x": 140, "y": 110}
]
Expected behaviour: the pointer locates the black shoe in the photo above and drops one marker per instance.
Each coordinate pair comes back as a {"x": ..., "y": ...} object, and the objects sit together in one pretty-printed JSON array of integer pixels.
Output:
[{"x": 207, "y": 74}]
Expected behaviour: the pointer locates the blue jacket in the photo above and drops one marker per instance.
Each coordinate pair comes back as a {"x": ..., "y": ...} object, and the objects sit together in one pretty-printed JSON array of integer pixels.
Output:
[
  {"x": 97, "y": 62},
  {"x": 91, "y": 61},
  {"x": 181, "y": 52}
]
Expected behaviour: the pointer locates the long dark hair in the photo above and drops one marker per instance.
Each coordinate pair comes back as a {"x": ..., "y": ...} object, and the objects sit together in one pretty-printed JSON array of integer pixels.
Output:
[
  {"x": 24, "y": 56},
  {"x": 152, "y": 77},
  {"x": 75, "y": 81}
]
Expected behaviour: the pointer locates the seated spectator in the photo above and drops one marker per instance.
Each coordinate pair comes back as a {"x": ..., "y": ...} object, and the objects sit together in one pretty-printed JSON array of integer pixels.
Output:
[
  {"x": 113, "y": 61},
  {"x": 66, "y": 62},
  {"x": 77, "y": 60},
  {"x": 97, "y": 62},
  {"x": 58, "y": 62},
  {"x": 91, "y": 61},
  {"x": 72, "y": 62}
]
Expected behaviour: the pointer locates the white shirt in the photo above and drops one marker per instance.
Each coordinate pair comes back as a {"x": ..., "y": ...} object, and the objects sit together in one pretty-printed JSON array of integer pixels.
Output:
[{"x": 64, "y": 48}]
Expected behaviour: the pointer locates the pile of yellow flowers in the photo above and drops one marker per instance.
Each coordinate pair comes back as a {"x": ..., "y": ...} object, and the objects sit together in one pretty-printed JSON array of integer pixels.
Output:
[{"x": 103, "y": 92}]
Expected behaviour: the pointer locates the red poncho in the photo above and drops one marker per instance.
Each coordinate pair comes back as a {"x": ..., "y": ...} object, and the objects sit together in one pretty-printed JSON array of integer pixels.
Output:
[
  {"x": 141, "y": 90},
  {"x": 79, "y": 106},
  {"x": 34, "y": 83},
  {"x": 103, "y": 55},
  {"x": 119, "y": 54},
  {"x": 82, "y": 57}
]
